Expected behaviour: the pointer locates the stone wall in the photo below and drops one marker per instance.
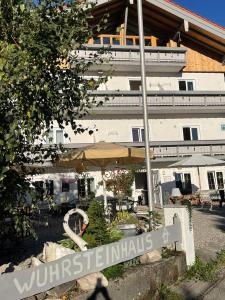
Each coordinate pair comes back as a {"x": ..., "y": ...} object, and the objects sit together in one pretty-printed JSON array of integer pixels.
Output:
[{"x": 143, "y": 279}]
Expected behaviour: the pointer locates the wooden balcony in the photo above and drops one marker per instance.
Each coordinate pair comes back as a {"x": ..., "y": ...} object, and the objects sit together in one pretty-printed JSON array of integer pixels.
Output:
[
  {"x": 128, "y": 40},
  {"x": 124, "y": 102},
  {"x": 123, "y": 54}
]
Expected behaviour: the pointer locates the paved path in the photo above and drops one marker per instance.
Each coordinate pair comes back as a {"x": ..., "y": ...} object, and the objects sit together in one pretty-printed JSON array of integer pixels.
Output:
[
  {"x": 209, "y": 231},
  {"x": 209, "y": 236}
]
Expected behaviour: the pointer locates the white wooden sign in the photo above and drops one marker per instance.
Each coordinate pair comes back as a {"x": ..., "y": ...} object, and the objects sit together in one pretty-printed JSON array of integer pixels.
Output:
[{"x": 21, "y": 284}]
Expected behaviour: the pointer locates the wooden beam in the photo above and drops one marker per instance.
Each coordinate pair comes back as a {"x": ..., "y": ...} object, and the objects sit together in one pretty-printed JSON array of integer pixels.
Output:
[{"x": 125, "y": 24}]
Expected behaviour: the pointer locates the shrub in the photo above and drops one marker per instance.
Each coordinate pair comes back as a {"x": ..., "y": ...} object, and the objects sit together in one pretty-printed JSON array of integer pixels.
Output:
[
  {"x": 123, "y": 217},
  {"x": 97, "y": 233}
]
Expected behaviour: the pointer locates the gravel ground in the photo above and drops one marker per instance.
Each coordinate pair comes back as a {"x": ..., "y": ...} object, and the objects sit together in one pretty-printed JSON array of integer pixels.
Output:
[{"x": 209, "y": 231}]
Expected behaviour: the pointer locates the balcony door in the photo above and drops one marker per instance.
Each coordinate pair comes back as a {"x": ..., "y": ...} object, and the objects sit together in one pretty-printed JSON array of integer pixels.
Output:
[{"x": 183, "y": 182}]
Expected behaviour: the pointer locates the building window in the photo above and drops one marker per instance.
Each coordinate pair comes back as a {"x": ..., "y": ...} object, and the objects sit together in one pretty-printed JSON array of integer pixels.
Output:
[
  {"x": 85, "y": 187},
  {"x": 65, "y": 185},
  {"x": 39, "y": 188},
  {"x": 186, "y": 85},
  {"x": 55, "y": 136},
  {"x": 183, "y": 182},
  {"x": 223, "y": 127},
  {"x": 190, "y": 133},
  {"x": 138, "y": 134},
  {"x": 49, "y": 187},
  {"x": 215, "y": 180},
  {"x": 135, "y": 85}
]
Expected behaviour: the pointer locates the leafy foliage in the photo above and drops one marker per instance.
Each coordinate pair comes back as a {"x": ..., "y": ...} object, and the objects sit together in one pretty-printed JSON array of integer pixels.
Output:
[
  {"x": 68, "y": 243},
  {"x": 97, "y": 233},
  {"x": 120, "y": 183},
  {"x": 206, "y": 271},
  {"x": 114, "y": 271},
  {"x": 42, "y": 86},
  {"x": 123, "y": 217}
]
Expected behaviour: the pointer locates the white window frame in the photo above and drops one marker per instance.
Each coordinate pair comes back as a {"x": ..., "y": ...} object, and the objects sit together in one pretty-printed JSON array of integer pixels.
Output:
[
  {"x": 186, "y": 81},
  {"x": 190, "y": 126},
  {"x": 54, "y": 136},
  {"x": 139, "y": 133},
  {"x": 214, "y": 172}
]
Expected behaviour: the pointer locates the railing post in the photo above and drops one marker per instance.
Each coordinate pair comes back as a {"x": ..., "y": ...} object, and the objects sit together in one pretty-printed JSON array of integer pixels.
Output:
[
  {"x": 187, "y": 242},
  {"x": 173, "y": 100},
  {"x": 211, "y": 150},
  {"x": 178, "y": 152}
]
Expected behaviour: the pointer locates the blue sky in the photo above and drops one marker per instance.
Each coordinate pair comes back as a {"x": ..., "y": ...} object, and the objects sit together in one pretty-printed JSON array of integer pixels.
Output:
[{"x": 213, "y": 10}]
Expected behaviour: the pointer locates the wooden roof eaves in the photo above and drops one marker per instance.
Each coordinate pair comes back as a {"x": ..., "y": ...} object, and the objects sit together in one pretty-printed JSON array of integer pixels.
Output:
[
  {"x": 183, "y": 14},
  {"x": 193, "y": 19}
]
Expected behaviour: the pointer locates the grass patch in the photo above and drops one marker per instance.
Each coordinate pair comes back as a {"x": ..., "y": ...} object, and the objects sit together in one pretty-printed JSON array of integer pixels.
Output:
[
  {"x": 206, "y": 271},
  {"x": 119, "y": 270},
  {"x": 114, "y": 271},
  {"x": 166, "y": 252},
  {"x": 166, "y": 293}
]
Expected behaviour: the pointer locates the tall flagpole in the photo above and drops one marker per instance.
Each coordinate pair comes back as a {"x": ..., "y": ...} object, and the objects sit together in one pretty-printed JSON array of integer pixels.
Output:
[{"x": 145, "y": 109}]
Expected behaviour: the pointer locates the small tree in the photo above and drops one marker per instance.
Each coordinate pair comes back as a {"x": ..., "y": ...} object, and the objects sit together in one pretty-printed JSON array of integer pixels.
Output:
[
  {"x": 97, "y": 233},
  {"x": 120, "y": 183}
]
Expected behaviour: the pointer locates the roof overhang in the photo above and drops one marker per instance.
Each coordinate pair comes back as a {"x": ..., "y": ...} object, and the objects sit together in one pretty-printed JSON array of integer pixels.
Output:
[{"x": 203, "y": 31}]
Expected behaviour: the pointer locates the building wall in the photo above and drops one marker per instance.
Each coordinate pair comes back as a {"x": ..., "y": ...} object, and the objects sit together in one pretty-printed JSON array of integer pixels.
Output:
[
  {"x": 168, "y": 82},
  {"x": 161, "y": 129},
  {"x": 118, "y": 128}
]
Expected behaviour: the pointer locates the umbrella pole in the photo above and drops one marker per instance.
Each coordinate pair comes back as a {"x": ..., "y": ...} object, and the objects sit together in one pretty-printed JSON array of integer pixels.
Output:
[
  {"x": 199, "y": 179},
  {"x": 104, "y": 189}
]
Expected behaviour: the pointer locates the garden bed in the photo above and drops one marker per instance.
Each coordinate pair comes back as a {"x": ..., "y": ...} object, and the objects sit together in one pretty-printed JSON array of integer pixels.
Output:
[{"x": 142, "y": 280}]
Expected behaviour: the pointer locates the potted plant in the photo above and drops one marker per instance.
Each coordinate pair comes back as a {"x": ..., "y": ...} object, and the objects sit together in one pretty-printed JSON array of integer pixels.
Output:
[
  {"x": 127, "y": 223},
  {"x": 120, "y": 183}
]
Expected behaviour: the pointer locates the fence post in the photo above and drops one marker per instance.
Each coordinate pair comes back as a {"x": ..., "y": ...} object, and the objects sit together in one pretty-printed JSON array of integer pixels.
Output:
[{"x": 187, "y": 242}]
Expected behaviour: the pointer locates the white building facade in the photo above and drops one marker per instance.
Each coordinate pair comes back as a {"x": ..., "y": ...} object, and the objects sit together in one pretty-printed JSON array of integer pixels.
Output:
[{"x": 185, "y": 76}]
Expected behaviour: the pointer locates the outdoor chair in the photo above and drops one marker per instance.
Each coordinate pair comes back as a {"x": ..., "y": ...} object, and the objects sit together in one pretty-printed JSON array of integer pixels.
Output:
[{"x": 208, "y": 197}]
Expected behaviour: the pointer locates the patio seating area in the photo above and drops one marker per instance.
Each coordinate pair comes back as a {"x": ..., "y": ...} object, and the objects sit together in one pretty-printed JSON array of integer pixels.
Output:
[{"x": 203, "y": 198}]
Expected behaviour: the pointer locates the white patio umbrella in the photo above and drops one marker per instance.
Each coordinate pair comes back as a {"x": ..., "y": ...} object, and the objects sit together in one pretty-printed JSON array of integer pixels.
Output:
[{"x": 198, "y": 160}]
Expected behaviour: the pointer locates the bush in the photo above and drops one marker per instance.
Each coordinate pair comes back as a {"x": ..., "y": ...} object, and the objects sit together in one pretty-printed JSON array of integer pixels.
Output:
[{"x": 97, "y": 233}]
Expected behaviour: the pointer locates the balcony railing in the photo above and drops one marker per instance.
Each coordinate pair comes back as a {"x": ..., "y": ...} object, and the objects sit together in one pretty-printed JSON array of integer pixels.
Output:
[
  {"x": 127, "y": 58},
  {"x": 171, "y": 150},
  {"x": 187, "y": 148},
  {"x": 112, "y": 39},
  {"x": 159, "y": 99},
  {"x": 129, "y": 40}
]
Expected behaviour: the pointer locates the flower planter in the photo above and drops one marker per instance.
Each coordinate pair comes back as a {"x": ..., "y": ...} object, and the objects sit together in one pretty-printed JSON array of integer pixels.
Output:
[{"x": 128, "y": 229}]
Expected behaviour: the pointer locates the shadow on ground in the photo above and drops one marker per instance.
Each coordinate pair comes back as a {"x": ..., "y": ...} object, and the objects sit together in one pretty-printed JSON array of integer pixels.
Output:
[
  {"x": 99, "y": 290},
  {"x": 28, "y": 246}
]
